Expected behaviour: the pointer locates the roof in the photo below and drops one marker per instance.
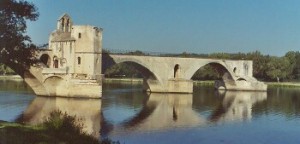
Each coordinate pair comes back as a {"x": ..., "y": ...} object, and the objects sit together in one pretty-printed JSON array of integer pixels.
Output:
[
  {"x": 64, "y": 15},
  {"x": 62, "y": 36}
]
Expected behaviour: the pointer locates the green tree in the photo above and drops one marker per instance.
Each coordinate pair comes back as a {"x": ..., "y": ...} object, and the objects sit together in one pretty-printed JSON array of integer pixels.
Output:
[
  {"x": 291, "y": 56},
  {"x": 5, "y": 70},
  {"x": 296, "y": 71},
  {"x": 206, "y": 72},
  {"x": 278, "y": 67},
  {"x": 15, "y": 45},
  {"x": 123, "y": 70},
  {"x": 259, "y": 64}
]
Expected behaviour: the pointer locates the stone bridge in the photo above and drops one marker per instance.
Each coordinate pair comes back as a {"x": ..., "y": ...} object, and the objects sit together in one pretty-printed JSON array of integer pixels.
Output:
[
  {"x": 173, "y": 74},
  {"x": 161, "y": 74},
  {"x": 74, "y": 61},
  {"x": 47, "y": 81}
]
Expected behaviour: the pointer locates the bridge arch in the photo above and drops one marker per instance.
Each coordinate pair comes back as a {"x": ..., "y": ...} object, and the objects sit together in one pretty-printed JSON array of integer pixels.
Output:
[
  {"x": 227, "y": 74},
  {"x": 52, "y": 83},
  {"x": 52, "y": 77},
  {"x": 146, "y": 69},
  {"x": 46, "y": 60}
]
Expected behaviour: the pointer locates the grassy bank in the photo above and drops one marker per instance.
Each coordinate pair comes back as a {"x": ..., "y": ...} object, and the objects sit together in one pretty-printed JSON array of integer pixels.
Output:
[
  {"x": 140, "y": 80},
  {"x": 10, "y": 77},
  {"x": 58, "y": 128},
  {"x": 136, "y": 80},
  {"x": 208, "y": 82},
  {"x": 283, "y": 84}
]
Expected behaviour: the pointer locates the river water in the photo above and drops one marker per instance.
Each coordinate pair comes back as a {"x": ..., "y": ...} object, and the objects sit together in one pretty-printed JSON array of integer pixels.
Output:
[{"x": 128, "y": 115}]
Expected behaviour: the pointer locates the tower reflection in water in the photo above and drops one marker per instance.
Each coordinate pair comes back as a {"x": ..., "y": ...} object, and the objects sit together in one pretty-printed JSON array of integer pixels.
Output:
[
  {"x": 86, "y": 111},
  {"x": 168, "y": 111}
]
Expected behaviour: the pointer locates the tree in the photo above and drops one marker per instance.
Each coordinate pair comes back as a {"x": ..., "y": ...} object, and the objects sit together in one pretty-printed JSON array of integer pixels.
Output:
[
  {"x": 296, "y": 71},
  {"x": 15, "y": 45},
  {"x": 291, "y": 56},
  {"x": 278, "y": 67}
]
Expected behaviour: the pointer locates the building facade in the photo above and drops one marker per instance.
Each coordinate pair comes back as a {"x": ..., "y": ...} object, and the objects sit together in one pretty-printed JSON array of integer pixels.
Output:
[{"x": 74, "y": 55}]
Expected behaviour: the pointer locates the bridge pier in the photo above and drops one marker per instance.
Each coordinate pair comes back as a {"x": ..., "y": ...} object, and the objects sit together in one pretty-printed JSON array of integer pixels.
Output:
[
  {"x": 169, "y": 86},
  {"x": 241, "y": 85}
]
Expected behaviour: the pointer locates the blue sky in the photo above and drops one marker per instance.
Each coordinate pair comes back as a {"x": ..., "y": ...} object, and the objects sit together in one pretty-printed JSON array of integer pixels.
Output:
[{"x": 176, "y": 26}]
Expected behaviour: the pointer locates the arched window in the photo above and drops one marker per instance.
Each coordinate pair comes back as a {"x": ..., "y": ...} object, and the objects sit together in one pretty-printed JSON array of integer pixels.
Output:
[
  {"x": 55, "y": 62},
  {"x": 45, "y": 59},
  {"x": 67, "y": 25},
  {"x": 62, "y": 24},
  {"x": 234, "y": 69},
  {"x": 176, "y": 71},
  {"x": 79, "y": 60},
  {"x": 79, "y": 35},
  {"x": 68, "y": 22}
]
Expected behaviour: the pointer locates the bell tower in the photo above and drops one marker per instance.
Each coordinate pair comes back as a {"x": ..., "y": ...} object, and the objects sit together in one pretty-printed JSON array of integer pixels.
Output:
[{"x": 64, "y": 23}]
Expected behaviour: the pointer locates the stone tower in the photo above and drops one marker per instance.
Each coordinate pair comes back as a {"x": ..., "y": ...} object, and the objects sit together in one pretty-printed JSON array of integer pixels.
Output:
[
  {"x": 72, "y": 62},
  {"x": 76, "y": 48}
]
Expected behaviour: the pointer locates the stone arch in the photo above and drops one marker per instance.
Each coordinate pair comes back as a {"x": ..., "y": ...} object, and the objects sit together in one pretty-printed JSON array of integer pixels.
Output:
[
  {"x": 227, "y": 74},
  {"x": 46, "y": 60},
  {"x": 52, "y": 83},
  {"x": 241, "y": 79},
  {"x": 146, "y": 72},
  {"x": 146, "y": 69}
]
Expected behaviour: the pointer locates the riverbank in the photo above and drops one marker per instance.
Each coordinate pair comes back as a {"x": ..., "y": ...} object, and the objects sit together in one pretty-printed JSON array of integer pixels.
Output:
[
  {"x": 140, "y": 80},
  {"x": 208, "y": 82},
  {"x": 58, "y": 128},
  {"x": 135, "y": 80},
  {"x": 283, "y": 84},
  {"x": 11, "y": 77}
]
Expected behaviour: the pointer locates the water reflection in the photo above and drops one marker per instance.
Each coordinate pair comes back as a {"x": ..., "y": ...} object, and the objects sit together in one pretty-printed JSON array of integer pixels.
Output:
[
  {"x": 164, "y": 111},
  {"x": 237, "y": 106},
  {"x": 87, "y": 112},
  {"x": 168, "y": 111}
]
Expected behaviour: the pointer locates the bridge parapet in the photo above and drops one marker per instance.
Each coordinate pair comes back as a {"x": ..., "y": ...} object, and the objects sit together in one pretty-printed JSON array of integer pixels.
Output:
[{"x": 54, "y": 71}]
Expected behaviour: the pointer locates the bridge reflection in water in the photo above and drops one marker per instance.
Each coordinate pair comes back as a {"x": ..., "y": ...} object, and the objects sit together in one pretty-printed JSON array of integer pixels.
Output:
[
  {"x": 168, "y": 111},
  {"x": 160, "y": 112}
]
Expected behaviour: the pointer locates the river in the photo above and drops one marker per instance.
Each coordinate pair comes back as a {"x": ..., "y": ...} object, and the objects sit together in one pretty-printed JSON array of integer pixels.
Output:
[{"x": 128, "y": 115}]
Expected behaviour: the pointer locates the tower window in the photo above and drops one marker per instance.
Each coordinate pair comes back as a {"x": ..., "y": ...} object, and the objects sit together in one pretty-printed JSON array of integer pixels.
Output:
[
  {"x": 67, "y": 25},
  {"x": 62, "y": 23},
  {"x": 79, "y": 60},
  {"x": 79, "y": 35}
]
